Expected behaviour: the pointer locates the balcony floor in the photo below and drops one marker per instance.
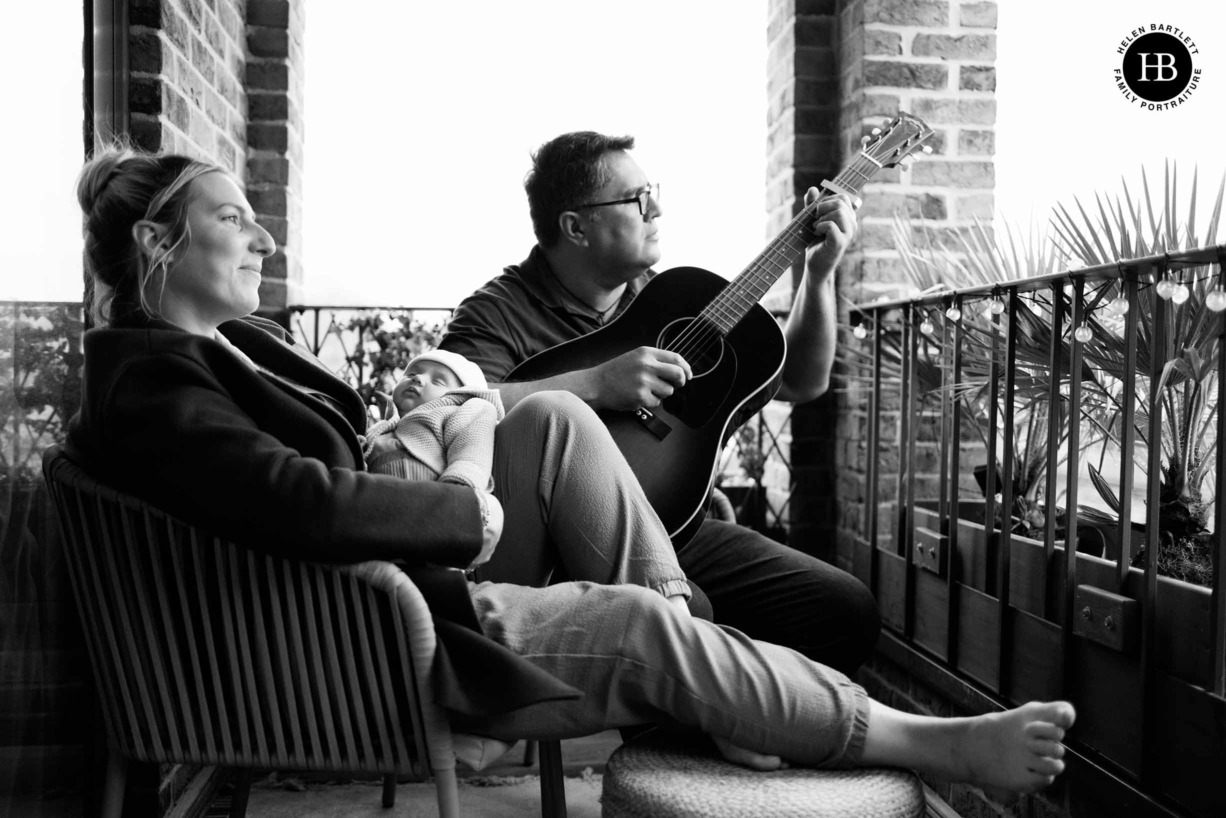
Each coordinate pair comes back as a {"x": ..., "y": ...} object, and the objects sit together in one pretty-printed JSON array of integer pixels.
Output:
[{"x": 505, "y": 790}]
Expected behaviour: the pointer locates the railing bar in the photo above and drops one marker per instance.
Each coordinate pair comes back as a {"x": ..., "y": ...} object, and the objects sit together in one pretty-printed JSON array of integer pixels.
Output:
[
  {"x": 1174, "y": 260},
  {"x": 1217, "y": 598},
  {"x": 904, "y": 431},
  {"x": 990, "y": 480},
  {"x": 948, "y": 330},
  {"x": 1055, "y": 357},
  {"x": 1153, "y": 540},
  {"x": 905, "y": 532},
  {"x": 1005, "y": 536},
  {"x": 952, "y": 560},
  {"x": 1128, "y": 431},
  {"x": 1076, "y": 319},
  {"x": 874, "y": 445}
]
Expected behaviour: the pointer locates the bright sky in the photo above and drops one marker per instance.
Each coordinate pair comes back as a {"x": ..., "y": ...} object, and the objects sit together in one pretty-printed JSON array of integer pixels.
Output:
[
  {"x": 419, "y": 202},
  {"x": 1064, "y": 130}
]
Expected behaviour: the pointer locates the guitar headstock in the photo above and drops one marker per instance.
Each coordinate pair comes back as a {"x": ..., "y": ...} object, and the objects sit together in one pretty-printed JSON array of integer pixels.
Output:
[{"x": 896, "y": 140}]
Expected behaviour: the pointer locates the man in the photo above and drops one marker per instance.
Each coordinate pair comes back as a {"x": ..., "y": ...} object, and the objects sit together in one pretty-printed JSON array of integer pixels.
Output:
[{"x": 595, "y": 215}]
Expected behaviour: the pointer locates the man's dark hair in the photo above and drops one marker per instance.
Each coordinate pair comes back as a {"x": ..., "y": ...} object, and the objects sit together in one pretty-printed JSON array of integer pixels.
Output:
[{"x": 566, "y": 171}]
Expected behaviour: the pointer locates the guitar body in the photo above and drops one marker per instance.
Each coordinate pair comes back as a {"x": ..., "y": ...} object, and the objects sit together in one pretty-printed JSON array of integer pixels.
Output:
[{"x": 673, "y": 449}]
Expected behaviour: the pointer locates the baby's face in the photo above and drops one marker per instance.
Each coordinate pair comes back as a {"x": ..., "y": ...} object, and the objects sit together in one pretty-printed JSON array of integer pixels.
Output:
[{"x": 428, "y": 380}]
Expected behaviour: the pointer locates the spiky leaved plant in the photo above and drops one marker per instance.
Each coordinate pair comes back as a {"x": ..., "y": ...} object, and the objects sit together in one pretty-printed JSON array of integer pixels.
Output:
[{"x": 1187, "y": 390}]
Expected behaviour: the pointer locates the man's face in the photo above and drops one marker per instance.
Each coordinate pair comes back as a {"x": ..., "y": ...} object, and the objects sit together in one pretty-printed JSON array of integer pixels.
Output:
[{"x": 622, "y": 242}]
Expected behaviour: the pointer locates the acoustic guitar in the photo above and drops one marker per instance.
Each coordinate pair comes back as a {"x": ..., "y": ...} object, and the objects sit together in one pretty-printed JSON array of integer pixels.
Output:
[{"x": 735, "y": 349}]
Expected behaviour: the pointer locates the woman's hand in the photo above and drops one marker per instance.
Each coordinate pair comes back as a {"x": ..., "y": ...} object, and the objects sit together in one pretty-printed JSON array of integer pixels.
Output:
[{"x": 493, "y": 527}]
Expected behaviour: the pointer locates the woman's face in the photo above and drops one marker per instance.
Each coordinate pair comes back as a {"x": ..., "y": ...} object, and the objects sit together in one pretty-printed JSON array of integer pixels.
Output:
[{"x": 217, "y": 277}]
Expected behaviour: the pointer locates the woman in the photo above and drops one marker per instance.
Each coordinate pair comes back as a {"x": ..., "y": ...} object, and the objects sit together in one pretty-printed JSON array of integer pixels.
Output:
[{"x": 219, "y": 418}]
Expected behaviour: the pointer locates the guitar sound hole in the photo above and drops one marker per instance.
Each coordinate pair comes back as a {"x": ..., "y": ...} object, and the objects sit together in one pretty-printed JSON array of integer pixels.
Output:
[{"x": 697, "y": 341}]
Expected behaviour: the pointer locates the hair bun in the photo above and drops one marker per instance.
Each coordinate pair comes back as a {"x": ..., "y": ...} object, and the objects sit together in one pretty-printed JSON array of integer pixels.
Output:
[{"x": 97, "y": 174}]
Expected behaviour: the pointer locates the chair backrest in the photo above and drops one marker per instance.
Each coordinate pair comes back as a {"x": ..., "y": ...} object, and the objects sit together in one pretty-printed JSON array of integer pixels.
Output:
[{"x": 207, "y": 652}]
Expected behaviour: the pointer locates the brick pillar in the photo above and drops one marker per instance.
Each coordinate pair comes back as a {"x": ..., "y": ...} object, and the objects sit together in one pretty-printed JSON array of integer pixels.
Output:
[
  {"x": 223, "y": 81},
  {"x": 836, "y": 69},
  {"x": 934, "y": 59},
  {"x": 274, "y": 78},
  {"x": 186, "y": 95},
  {"x": 802, "y": 150}
]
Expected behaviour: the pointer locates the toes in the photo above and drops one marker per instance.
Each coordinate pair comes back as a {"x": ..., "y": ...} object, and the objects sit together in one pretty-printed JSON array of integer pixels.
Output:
[
  {"x": 1046, "y": 748},
  {"x": 1046, "y": 766},
  {"x": 1044, "y": 730}
]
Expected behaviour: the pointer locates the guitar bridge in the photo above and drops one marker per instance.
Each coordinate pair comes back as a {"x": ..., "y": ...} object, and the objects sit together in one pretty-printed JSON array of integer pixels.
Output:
[{"x": 653, "y": 424}]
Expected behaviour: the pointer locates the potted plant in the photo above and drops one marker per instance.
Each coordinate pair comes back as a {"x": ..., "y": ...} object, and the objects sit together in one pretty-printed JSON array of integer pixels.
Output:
[{"x": 1187, "y": 389}]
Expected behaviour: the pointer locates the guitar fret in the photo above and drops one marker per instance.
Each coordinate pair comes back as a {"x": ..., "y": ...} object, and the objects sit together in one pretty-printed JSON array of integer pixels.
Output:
[{"x": 727, "y": 309}]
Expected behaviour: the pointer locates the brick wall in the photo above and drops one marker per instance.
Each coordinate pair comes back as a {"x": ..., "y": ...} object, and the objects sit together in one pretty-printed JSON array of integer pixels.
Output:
[
  {"x": 934, "y": 59},
  {"x": 802, "y": 150},
  {"x": 223, "y": 80},
  {"x": 275, "y": 82}
]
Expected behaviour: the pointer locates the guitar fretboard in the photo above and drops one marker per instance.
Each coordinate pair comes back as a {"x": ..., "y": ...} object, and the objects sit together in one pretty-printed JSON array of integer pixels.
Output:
[{"x": 748, "y": 288}]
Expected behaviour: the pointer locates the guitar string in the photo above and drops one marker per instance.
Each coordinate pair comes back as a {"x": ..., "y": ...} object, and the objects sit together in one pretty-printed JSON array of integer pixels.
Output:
[
  {"x": 700, "y": 339},
  {"x": 722, "y": 315},
  {"x": 730, "y": 317}
]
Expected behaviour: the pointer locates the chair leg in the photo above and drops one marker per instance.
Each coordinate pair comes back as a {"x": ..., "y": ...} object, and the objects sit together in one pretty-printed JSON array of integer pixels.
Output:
[
  {"x": 115, "y": 785},
  {"x": 447, "y": 793},
  {"x": 529, "y": 753},
  {"x": 242, "y": 791},
  {"x": 553, "y": 787},
  {"x": 389, "y": 790}
]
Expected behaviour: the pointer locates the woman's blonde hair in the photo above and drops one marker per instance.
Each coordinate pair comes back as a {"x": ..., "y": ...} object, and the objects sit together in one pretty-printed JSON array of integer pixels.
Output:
[{"x": 118, "y": 187}]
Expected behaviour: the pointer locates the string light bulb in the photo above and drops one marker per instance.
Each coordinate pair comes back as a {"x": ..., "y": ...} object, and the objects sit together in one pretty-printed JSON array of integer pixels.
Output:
[
  {"x": 927, "y": 327},
  {"x": 1165, "y": 288},
  {"x": 1216, "y": 299},
  {"x": 998, "y": 306},
  {"x": 953, "y": 313},
  {"x": 860, "y": 331},
  {"x": 1117, "y": 306},
  {"x": 1180, "y": 293},
  {"x": 1084, "y": 333}
]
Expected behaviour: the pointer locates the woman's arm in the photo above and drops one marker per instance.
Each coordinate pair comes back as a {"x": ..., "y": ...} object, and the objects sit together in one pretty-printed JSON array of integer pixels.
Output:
[{"x": 273, "y": 473}]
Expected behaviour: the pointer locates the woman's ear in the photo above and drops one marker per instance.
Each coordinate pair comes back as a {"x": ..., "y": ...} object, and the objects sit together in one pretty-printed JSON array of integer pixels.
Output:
[
  {"x": 150, "y": 237},
  {"x": 572, "y": 227}
]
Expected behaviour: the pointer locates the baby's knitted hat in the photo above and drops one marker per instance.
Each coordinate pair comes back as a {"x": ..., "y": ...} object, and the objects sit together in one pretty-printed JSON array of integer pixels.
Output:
[{"x": 468, "y": 373}]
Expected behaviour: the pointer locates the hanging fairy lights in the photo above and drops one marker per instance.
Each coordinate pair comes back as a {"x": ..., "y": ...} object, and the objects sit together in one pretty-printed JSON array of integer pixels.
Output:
[{"x": 1168, "y": 285}]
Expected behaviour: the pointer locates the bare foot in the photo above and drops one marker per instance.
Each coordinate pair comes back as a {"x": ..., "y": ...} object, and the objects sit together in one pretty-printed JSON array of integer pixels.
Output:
[
  {"x": 1018, "y": 750},
  {"x": 748, "y": 758}
]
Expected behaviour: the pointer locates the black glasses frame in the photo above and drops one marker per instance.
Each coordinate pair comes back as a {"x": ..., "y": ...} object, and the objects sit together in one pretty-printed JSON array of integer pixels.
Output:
[{"x": 643, "y": 197}]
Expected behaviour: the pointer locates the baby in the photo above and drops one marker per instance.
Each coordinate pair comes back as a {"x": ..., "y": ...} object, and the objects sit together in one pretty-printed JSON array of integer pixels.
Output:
[{"x": 445, "y": 428}]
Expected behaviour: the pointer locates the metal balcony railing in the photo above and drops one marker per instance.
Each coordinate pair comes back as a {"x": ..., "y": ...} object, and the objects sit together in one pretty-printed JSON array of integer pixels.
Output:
[{"x": 1092, "y": 399}]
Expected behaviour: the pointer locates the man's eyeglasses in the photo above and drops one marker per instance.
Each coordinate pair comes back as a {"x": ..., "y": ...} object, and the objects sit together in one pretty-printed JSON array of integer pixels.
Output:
[{"x": 643, "y": 197}]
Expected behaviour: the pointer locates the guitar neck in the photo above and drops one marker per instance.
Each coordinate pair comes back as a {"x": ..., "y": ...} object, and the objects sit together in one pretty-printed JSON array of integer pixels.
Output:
[{"x": 748, "y": 288}]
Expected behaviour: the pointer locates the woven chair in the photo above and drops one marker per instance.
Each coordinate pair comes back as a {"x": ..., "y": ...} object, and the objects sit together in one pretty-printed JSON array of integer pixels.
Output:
[{"x": 205, "y": 652}]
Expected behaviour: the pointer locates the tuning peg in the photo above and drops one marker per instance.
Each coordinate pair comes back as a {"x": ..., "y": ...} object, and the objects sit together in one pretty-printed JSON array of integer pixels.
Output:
[{"x": 927, "y": 149}]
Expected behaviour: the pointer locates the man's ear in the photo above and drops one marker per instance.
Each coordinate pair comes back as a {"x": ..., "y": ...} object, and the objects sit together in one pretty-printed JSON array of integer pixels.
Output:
[
  {"x": 149, "y": 236},
  {"x": 571, "y": 226}
]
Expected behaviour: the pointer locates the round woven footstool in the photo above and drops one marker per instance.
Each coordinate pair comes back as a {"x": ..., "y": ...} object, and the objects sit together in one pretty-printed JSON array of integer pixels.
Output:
[{"x": 671, "y": 777}]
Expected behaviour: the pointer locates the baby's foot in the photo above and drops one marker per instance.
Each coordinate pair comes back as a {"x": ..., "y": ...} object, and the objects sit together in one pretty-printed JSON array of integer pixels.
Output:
[
  {"x": 748, "y": 758},
  {"x": 1018, "y": 750}
]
